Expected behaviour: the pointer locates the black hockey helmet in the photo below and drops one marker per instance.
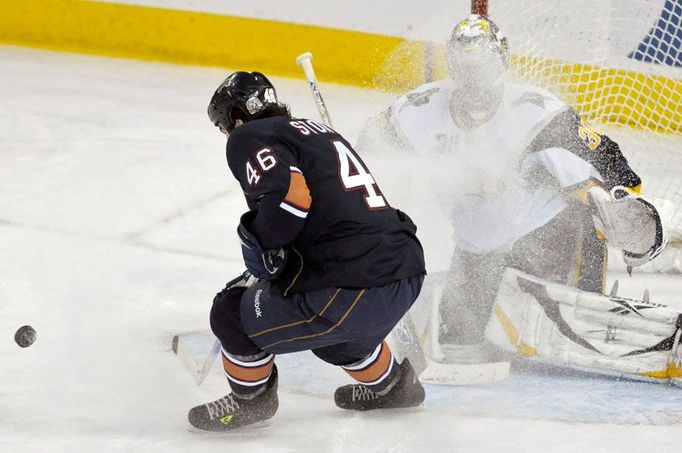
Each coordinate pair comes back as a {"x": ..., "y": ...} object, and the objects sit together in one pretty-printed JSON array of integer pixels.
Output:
[{"x": 242, "y": 95}]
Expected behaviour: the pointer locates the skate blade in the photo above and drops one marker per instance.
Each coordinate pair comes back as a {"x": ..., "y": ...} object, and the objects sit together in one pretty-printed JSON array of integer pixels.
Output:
[
  {"x": 246, "y": 428},
  {"x": 393, "y": 410},
  {"x": 399, "y": 410}
]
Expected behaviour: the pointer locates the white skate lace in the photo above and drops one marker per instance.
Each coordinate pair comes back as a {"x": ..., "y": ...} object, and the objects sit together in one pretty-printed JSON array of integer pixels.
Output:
[
  {"x": 221, "y": 407},
  {"x": 362, "y": 393}
]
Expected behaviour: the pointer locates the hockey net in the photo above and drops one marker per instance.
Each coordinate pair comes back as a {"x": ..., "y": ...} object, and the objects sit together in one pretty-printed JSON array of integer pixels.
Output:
[{"x": 619, "y": 64}]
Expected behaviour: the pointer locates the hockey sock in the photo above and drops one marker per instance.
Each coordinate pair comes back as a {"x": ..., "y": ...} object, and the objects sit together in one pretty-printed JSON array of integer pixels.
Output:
[
  {"x": 379, "y": 371},
  {"x": 249, "y": 375}
]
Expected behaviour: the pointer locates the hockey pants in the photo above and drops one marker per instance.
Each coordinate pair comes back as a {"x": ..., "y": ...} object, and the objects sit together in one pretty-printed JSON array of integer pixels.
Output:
[{"x": 342, "y": 326}]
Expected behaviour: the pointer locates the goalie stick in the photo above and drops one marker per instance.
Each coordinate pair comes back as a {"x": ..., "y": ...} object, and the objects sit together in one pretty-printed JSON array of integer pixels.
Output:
[
  {"x": 437, "y": 372},
  {"x": 404, "y": 340}
]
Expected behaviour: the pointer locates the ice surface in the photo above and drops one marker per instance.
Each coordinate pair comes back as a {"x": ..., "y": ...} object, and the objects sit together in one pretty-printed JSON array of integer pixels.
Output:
[{"x": 117, "y": 217}]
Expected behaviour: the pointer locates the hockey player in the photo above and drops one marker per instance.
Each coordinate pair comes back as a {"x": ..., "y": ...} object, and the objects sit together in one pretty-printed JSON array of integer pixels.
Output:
[
  {"x": 337, "y": 266},
  {"x": 525, "y": 182}
]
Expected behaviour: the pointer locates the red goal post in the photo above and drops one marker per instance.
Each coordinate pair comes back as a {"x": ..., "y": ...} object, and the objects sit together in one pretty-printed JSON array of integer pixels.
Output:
[{"x": 479, "y": 7}]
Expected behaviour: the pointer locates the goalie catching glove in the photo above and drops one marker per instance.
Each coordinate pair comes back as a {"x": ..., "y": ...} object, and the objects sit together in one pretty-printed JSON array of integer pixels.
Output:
[
  {"x": 628, "y": 222},
  {"x": 265, "y": 264}
]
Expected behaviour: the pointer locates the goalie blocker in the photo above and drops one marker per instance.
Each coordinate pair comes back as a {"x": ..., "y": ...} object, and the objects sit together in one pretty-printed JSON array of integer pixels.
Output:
[{"x": 608, "y": 335}]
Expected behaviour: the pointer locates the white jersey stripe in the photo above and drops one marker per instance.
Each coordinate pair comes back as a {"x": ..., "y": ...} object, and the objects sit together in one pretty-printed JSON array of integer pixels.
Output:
[
  {"x": 365, "y": 362},
  {"x": 253, "y": 364},
  {"x": 292, "y": 210},
  {"x": 245, "y": 383},
  {"x": 383, "y": 376}
]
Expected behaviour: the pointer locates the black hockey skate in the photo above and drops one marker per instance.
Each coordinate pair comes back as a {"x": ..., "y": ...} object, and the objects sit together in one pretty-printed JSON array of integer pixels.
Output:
[
  {"x": 407, "y": 392},
  {"x": 231, "y": 412}
]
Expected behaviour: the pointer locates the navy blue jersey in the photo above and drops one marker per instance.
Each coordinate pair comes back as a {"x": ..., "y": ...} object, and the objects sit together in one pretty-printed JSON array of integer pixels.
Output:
[{"x": 313, "y": 194}]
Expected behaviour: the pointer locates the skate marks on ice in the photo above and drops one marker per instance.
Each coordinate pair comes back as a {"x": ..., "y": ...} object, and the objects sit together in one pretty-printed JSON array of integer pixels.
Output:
[
  {"x": 528, "y": 393},
  {"x": 565, "y": 395}
]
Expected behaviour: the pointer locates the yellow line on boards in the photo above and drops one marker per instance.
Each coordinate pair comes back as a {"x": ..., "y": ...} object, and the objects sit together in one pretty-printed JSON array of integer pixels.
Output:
[
  {"x": 642, "y": 102},
  {"x": 185, "y": 37}
]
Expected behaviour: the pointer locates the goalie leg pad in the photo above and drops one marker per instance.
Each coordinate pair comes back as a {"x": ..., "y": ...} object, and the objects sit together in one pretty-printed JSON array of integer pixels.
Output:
[{"x": 564, "y": 326}]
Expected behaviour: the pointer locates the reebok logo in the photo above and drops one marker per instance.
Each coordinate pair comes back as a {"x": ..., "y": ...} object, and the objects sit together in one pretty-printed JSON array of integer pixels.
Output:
[{"x": 256, "y": 304}]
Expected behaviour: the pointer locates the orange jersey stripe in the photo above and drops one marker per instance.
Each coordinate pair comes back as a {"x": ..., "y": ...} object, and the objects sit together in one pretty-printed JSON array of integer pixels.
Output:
[
  {"x": 298, "y": 195},
  {"x": 376, "y": 369},
  {"x": 248, "y": 374}
]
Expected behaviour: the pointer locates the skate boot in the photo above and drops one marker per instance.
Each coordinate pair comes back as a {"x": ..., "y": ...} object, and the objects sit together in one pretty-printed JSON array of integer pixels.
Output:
[
  {"x": 407, "y": 392},
  {"x": 231, "y": 412}
]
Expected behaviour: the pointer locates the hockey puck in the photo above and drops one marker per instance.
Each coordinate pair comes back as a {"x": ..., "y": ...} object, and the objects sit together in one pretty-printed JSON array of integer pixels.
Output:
[
  {"x": 174, "y": 343},
  {"x": 25, "y": 336}
]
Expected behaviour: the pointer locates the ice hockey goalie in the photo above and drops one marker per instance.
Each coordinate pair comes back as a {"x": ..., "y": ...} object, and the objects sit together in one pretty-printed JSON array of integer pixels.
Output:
[{"x": 525, "y": 182}]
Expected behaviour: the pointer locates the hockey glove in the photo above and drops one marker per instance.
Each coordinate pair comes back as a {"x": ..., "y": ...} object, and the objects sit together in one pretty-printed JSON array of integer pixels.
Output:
[
  {"x": 629, "y": 222},
  {"x": 265, "y": 264}
]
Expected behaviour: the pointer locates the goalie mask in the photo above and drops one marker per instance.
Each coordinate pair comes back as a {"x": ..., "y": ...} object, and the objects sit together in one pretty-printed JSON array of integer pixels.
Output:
[
  {"x": 477, "y": 57},
  {"x": 242, "y": 95}
]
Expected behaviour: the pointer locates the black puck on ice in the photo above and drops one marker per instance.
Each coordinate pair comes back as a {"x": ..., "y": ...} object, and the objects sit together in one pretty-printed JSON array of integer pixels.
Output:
[
  {"x": 174, "y": 343},
  {"x": 25, "y": 336}
]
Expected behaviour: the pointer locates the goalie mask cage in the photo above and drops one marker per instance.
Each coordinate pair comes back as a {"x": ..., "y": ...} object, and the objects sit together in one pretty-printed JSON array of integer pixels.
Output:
[{"x": 619, "y": 64}]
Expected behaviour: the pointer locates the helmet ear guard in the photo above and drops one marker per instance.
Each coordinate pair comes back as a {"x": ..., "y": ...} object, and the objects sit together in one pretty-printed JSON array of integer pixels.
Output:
[{"x": 242, "y": 95}]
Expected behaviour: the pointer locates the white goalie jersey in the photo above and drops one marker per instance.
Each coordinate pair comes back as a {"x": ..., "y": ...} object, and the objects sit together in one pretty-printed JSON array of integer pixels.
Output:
[{"x": 509, "y": 175}]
